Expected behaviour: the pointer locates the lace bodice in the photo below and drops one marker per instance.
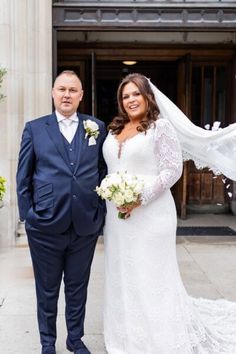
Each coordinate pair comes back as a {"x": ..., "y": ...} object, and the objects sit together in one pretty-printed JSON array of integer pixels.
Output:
[{"x": 155, "y": 157}]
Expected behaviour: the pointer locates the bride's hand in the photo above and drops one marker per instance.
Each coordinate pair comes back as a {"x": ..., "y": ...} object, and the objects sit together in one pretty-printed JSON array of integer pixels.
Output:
[{"x": 128, "y": 209}]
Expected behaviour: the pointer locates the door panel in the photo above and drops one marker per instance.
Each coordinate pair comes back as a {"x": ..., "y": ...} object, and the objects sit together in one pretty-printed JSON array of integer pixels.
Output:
[
  {"x": 218, "y": 191},
  {"x": 183, "y": 102},
  {"x": 208, "y": 93},
  {"x": 194, "y": 187},
  {"x": 206, "y": 187}
]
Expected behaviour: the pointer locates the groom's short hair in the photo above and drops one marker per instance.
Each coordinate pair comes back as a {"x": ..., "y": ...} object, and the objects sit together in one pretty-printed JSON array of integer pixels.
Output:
[{"x": 68, "y": 72}]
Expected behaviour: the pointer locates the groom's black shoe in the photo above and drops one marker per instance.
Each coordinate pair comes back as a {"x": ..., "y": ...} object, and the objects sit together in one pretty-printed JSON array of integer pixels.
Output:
[
  {"x": 81, "y": 348},
  {"x": 49, "y": 350}
]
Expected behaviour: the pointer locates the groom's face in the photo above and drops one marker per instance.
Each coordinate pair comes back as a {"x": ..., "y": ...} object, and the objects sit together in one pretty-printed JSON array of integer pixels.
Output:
[{"x": 67, "y": 94}]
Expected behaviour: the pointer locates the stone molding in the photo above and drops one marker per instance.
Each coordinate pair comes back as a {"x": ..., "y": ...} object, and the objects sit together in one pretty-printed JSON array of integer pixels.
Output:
[{"x": 184, "y": 16}]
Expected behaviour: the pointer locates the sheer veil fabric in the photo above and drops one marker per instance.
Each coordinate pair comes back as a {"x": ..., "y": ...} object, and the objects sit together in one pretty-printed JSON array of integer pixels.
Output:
[{"x": 213, "y": 149}]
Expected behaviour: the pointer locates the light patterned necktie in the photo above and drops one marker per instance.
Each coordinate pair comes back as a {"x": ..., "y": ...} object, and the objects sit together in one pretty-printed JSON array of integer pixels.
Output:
[{"x": 67, "y": 129}]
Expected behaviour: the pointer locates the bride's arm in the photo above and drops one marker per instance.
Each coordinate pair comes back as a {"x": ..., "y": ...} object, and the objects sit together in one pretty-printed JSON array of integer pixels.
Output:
[{"x": 168, "y": 158}]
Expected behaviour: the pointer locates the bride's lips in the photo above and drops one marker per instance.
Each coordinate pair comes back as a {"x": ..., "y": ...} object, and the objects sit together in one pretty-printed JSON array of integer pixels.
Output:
[{"x": 133, "y": 107}]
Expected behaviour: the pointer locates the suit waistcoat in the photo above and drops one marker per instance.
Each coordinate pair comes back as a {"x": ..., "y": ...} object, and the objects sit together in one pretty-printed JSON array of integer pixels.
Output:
[{"x": 72, "y": 150}]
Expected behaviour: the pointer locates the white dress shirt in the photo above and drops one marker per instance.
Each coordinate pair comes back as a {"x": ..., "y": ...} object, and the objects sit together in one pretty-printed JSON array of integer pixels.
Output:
[{"x": 68, "y": 125}]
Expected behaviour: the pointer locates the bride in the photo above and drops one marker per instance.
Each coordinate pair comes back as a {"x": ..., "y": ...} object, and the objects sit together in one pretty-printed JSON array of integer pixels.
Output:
[{"x": 147, "y": 309}]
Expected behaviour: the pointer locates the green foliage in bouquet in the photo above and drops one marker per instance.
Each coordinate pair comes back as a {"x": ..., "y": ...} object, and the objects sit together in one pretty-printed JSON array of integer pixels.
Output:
[
  {"x": 2, "y": 187},
  {"x": 2, "y": 74}
]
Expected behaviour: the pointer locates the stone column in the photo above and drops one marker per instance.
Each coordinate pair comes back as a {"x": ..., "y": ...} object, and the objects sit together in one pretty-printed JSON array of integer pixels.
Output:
[{"x": 26, "y": 53}]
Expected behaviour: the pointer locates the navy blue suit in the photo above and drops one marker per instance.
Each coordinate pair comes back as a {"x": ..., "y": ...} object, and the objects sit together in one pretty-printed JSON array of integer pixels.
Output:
[{"x": 56, "y": 196}]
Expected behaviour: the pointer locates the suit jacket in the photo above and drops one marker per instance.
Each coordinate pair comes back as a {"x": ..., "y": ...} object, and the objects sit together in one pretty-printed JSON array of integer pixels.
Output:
[{"x": 50, "y": 195}]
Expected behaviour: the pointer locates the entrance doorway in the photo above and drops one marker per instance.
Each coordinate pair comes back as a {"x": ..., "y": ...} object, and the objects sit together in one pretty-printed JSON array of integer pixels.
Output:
[
  {"x": 110, "y": 73},
  {"x": 102, "y": 78},
  {"x": 199, "y": 88}
]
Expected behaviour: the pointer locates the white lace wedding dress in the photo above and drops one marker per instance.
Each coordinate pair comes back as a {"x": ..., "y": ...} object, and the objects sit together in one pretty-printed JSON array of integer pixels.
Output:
[{"x": 147, "y": 310}]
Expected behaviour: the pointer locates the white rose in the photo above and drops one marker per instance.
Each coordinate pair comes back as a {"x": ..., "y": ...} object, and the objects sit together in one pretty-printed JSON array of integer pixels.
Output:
[
  {"x": 105, "y": 183},
  {"x": 91, "y": 125},
  {"x": 107, "y": 194},
  {"x": 129, "y": 196},
  {"x": 122, "y": 186},
  {"x": 118, "y": 199}
]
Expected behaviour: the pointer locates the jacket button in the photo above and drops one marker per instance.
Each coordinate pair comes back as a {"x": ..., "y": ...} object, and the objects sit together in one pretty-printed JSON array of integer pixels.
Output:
[{"x": 74, "y": 196}]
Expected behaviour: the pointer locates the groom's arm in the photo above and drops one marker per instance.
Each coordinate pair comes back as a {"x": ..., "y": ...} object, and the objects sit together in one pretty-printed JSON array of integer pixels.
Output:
[{"x": 25, "y": 172}]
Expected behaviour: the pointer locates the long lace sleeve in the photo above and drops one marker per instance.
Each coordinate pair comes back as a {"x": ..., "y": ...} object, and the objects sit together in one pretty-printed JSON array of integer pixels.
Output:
[{"x": 169, "y": 161}]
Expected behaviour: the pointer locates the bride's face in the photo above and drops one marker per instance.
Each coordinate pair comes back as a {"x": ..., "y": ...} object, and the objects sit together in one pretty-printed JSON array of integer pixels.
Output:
[{"x": 133, "y": 101}]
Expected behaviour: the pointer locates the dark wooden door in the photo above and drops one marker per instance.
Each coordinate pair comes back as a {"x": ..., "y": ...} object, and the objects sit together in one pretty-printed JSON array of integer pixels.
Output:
[
  {"x": 208, "y": 105},
  {"x": 184, "y": 103}
]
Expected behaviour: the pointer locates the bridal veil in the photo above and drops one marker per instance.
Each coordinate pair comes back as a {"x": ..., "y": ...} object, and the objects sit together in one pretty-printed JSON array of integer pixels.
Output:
[{"x": 207, "y": 148}]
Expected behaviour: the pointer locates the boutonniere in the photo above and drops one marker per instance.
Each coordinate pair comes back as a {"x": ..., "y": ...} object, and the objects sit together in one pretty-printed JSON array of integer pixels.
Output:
[{"x": 92, "y": 131}]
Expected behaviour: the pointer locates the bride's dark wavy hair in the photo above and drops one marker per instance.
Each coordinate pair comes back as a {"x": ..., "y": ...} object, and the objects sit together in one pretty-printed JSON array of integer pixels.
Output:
[{"x": 153, "y": 111}]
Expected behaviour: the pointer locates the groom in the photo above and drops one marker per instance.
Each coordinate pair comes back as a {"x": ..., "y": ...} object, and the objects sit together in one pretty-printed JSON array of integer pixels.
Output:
[{"x": 60, "y": 164}]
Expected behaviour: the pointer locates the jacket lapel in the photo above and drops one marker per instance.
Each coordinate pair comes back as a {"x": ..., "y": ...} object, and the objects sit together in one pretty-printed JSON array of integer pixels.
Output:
[{"x": 55, "y": 134}]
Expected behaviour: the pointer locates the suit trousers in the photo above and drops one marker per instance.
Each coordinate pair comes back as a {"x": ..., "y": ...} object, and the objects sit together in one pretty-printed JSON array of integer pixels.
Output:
[{"x": 55, "y": 256}]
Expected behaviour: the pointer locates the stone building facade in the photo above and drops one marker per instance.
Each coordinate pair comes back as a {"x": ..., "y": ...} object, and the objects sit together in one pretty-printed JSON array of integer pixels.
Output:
[{"x": 191, "y": 45}]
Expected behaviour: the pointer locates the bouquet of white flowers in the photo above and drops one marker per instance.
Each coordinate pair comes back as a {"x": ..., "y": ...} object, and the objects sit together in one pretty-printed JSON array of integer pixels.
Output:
[{"x": 122, "y": 189}]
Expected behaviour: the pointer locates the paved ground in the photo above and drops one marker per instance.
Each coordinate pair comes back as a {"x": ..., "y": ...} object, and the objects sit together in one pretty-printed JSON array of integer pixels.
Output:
[{"x": 207, "y": 265}]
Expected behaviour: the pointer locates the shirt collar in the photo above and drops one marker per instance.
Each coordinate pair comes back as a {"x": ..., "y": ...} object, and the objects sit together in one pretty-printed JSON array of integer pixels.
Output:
[{"x": 60, "y": 117}]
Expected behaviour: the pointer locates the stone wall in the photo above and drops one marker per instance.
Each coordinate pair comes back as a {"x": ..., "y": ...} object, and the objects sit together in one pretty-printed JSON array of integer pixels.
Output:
[{"x": 26, "y": 53}]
